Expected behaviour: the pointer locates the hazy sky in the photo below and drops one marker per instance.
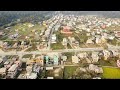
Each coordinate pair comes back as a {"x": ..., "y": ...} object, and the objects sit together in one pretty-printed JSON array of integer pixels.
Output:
[{"x": 104, "y": 13}]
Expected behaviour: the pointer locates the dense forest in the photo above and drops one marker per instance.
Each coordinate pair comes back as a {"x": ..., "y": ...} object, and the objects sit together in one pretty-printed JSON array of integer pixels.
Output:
[{"x": 7, "y": 17}]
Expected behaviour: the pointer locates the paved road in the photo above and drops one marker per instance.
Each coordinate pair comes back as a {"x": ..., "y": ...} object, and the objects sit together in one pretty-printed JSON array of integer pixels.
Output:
[
  {"x": 65, "y": 65},
  {"x": 46, "y": 50},
  {"x": 58, "y": 51}
]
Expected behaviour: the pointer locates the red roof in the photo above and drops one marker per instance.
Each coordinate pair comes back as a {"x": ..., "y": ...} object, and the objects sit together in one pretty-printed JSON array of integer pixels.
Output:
[{"x": 66, "y": 28}]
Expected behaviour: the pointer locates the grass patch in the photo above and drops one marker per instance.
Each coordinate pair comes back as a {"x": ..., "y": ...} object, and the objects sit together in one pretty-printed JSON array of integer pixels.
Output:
[
  {"x": 56, "y": 46},
  {"x": 49, "y": 73},
  {"x": 27, "y": 56},
  {"x": 33, "y": 48},
  {"x": 109, "y": 62},
  {"x": 69, "y": 47},
  {"x": 69, "y": 71},
  {"x": 111, "y": 73},
  {"x": 24, "y": 30},
  {"x": 37, "y": 55}
]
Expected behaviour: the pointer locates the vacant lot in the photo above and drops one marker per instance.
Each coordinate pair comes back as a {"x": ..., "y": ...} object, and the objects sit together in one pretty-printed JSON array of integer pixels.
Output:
[
  {"x": 27, "y": 56},
  {"x": 111, "y": 73},
  {"x": 69, "y": 71},
  {"x": 56, "y": 46}
]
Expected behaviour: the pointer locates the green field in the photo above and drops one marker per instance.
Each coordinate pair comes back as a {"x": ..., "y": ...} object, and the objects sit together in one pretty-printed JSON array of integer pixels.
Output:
[
  {"x": 69, "y": 71},
  {"x": 56, "y": 46},
  {"x": 111, "y": 73},
  {"x": 27, "y": 56},
  {"x": 25, "y": 30}
]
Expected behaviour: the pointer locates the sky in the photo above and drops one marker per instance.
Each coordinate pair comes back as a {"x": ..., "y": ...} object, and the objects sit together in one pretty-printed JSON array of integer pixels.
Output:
[{"x": 115, "y": 14}]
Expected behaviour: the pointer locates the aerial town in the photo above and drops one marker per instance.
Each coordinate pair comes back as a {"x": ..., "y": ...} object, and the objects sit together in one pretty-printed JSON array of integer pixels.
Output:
[{"x": 61, "y": 47}]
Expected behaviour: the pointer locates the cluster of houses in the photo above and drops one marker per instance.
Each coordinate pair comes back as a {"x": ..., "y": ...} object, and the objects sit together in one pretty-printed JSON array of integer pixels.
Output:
[
  {"x": 35, "y": 66},
  {"x": 94, "y": 26},
  {"x": 17, "y": 44},
  {"x": 10, "y": 67},
  {"x": 94, "y": 57}
]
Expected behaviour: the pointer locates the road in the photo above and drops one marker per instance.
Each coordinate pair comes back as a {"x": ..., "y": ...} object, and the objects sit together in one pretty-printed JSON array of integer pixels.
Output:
[
  {"x": 46, "y": 51},
  {"x": 50, "y": 36},
  {"x": 2, "y": 53},
  {"x": 65, "y": 65}
]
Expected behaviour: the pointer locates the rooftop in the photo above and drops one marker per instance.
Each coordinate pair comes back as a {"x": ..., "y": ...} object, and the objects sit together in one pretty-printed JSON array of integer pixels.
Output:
[
  {"x": 13, "y": 67},
  {"x": 2, "y": 70}
]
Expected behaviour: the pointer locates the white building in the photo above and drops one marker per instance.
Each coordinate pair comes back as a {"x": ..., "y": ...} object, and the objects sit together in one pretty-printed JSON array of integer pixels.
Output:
[
  {"x": 106, "y": 54},
  {"x": 95, "y": 68},
  {"x": 75, "y": 59},
  {"x": 32, "y": 76},
  {"x": 50, "y": 77},
  {"x": 64, "y": 42},
  {"x": 82, "y": 55},
  {"x": 89, "y": 41},
  {"x": 12, "y": 71},
  {"x": 2, "y": 71},
  {"x": 53, "y": 38},
  {"x": 49, "y": 68},
  {"x": 95, "y": 57}
]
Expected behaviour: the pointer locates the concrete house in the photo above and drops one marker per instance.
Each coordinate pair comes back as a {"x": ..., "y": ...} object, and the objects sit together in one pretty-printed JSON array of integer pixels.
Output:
[
  {"x": 106, "y": 54},
  {"x": 12, "y": 71},
  {"x": 75, "y": 59},
  {"x": 82, "y": 55},
  {"x": 95, "y": 57},
  {"x": 89, "y": 41},
  {"x": 3, "y": 71},
  {"x": 64, "y": 42}
]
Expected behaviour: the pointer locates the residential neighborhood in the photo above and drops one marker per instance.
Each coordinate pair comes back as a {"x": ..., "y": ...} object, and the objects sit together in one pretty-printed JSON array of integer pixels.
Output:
[{"x": 61, "y": 47}]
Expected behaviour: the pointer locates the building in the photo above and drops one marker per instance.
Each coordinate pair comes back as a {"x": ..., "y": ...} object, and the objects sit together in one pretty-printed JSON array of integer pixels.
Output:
[
  {"x": 29, "y": 69},
  {"x": 95, "y": 68},
  {"x": 3, "y": 71},
  {"x": 8, "y": 64},
  {"x": 50, "y": 77},
  {"x": 22, "y": 76},
  {"x": 36, "y": 68},
  {"x": 118, "y": 63},
  {"x": 53, "y": 38},
  {"x": 89, "y": 41},
  {"x": 98, "y": 40},
  {"x": 18, "y": 62},
  {"x": 75, "y": 59},
  {"x": 1, "y": 43},
  {"x": 32, "y": 76},
  {"x": 82, "y": 55},
  {"x": 47, "y": 59},
  {"x": 55, "y": 60},
  {"x": 97, "y": 78},
  {"x": 66, "y": 30},
  {"x": 115, "y": 52},
  {"x": 12, "y": 71},
  {"x": 64, "y": 58},
  {"x": 95, "y": 57},
  {"x": 106, "y": 54},
  {"x": 83, "y": 69},
  {"x": 117, "y": 34},
  {"x": 64, "y": 42},
  {"x": 49, "y": 68}
]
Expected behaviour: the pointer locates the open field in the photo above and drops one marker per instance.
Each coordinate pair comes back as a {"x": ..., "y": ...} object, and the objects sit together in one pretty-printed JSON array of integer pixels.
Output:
[
  {"x": 23, "y": 29},
  {"x": 69, "y": 71},
  {"x": 56, "y": 46},
  {"x": 111, "y": 73}
]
